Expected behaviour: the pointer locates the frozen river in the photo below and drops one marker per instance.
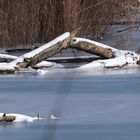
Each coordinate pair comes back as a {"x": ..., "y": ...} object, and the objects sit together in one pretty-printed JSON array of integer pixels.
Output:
[{"x": 102, "y": 106}]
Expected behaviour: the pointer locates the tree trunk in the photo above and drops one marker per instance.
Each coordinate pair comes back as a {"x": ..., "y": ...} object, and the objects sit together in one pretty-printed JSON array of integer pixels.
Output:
[
  {"x": 48, "y": 50},
  {"x": 94, "y": 49}
]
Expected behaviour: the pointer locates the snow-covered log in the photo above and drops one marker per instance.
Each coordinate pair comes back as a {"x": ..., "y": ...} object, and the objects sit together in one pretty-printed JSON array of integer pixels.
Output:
[
  {"x": 114, "y": 58},
  {"x": 38, "y": 55},
  {"x": 90, "y": 47},
  {"x": 7, "y": 56},
  {"x": 42, "y": 64},
  {"x": 119, "y": 58},
  {"x": 34, "y": 57},
  {"x": 17, "y": 118}
]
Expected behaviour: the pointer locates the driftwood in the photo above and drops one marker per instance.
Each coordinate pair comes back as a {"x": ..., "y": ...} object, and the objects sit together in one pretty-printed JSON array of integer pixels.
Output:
[
  {"x": 7, "y": 118},
  {"x": 46, "y": 53},
  {"x": 94, "y": 49},
  {"x": 34, "y": 57},
  {"x": 118, "y": 59},
  {"x": 40, "y": 56},
  {"x": 112, "y": 57}
]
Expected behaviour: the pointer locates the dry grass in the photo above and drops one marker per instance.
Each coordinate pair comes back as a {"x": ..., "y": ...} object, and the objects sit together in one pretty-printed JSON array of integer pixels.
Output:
[{"x": 25, "y": 22}]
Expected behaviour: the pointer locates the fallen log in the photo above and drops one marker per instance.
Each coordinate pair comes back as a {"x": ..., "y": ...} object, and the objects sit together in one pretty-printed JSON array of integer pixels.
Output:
[
  {"x": 7, "y": 118},
  {"x": 34, "y": 57},
  {"x": 42, "y": 64},
  {"x": 6, "y": 56},
  {"x": 114, "y": 57},
  {"x": 94, "y": 49},
  {"x": 119, "y": 59}
]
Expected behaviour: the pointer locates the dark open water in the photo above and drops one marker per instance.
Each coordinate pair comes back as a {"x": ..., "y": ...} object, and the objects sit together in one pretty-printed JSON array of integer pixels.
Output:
[{"x": 91, "y": 107}]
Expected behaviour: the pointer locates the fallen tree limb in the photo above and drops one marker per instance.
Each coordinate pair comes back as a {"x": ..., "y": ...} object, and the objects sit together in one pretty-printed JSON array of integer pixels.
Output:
[
  {"x": 114, "y": 58},
  {"x": 94, "y": 49},
  {"x": 6, "y": 56},
  {"x": 42, "y": 64},
  {"x": 34, "y": 57},
  {"x": 120, "y": 58},
  {"x": 128, "y": 28}
]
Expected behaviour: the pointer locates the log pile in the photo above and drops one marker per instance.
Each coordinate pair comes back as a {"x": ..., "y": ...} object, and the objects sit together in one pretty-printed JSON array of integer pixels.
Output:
[{"x": 110, "y": 57}]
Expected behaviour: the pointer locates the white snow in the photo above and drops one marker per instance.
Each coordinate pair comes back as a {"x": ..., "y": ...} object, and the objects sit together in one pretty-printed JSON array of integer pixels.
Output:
[
  {"x": 117, "y": 62},
  {"x": 6, "y": 56},
  {"x": 114, "y": 62},
  {"x": 121, "y": 59},
  {"x": 6, "y": 66},
  {"x": 48, "y": 64},
  {"x": 94, "y": 42},
  {"x": 52, "y": 117},
  {"x": 44, "y": 64},
  {"x": 40, "y": 72},
  {"x": 21, "y": 117}
]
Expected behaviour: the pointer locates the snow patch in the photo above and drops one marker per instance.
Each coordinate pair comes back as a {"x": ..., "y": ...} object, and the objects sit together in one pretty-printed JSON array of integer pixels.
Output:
[
  {"x": 6, "y": 56},
  {"x": 21, "y": 117},
  {"x": 52, "y": 117}
]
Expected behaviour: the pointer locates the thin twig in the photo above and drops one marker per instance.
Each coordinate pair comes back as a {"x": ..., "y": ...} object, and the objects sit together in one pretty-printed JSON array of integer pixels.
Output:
[
  {"x": 91, "y": 6},
  {"x": 128, "y": 28}
]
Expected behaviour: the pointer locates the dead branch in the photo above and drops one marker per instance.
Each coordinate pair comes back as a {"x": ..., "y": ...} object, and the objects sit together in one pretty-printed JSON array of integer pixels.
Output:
[
  {"x": 94, "y": 49},
  {"x": 114, "y": 57},
  {"x": 128, "y": 28}
]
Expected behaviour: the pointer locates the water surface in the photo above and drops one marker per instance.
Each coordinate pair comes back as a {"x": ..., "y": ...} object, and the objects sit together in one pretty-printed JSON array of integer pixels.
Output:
[{"x": 99, "y": 106}]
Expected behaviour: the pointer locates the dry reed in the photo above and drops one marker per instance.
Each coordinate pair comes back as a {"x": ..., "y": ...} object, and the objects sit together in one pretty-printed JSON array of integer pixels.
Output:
[{"x": 25, "y": 22}]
